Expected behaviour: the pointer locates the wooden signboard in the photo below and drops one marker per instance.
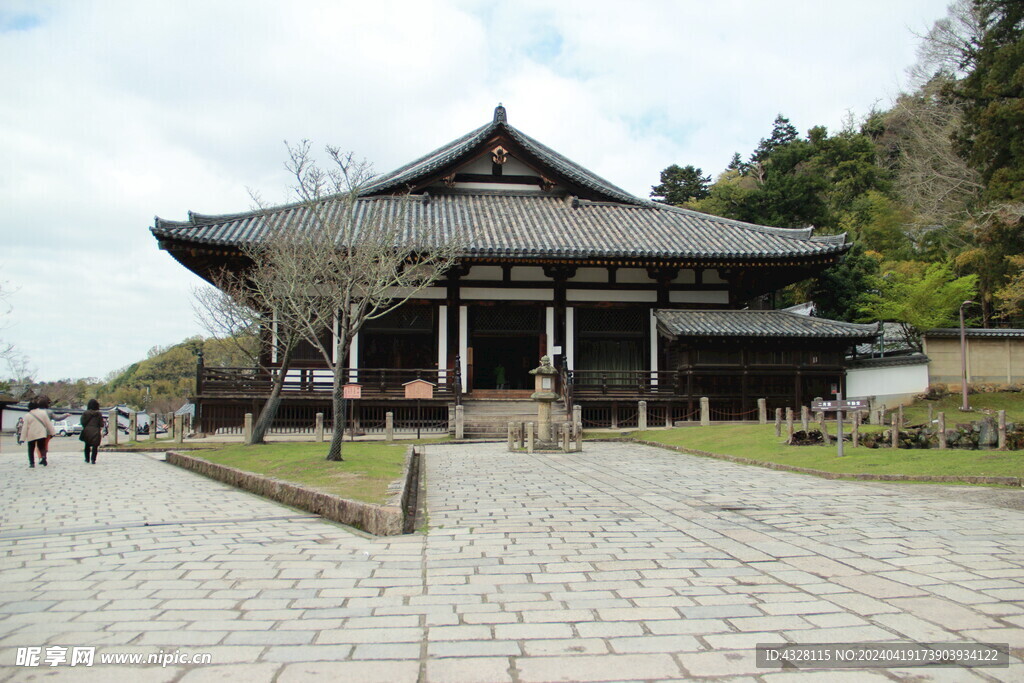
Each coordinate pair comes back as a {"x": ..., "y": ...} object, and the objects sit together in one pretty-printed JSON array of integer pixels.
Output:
[
  {"x": 352, "y": 391},
  {"x": 419, "y": 388}
]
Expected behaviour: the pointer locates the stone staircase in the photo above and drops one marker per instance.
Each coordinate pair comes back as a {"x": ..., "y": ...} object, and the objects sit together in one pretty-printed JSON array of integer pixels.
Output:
[{"x": 488, "y": 418}]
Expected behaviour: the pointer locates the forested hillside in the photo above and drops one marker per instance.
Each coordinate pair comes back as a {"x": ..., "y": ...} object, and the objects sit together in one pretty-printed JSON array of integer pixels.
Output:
[
  {"x": 163, "y": 381},
  {"x": 931, "y": 190}
]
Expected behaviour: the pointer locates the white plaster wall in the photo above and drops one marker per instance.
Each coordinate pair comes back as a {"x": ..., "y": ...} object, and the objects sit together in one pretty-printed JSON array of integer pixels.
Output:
[
  {"x": 610, "y": 295},
  {"x": 590, "y": 275},
  {"x": 699, "y": 297},
  {"x": 485, "y": 273},
  {"x": 891, "y": 385},
  {"x": 635, "y": 276}
]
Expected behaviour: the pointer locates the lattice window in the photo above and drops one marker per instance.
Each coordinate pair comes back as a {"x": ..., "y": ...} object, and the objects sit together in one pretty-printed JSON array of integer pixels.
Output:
[
  {"x": 404, "y": 319},
  {"x": 610, "y": 321},
  {"x": 507, "y": 319}
]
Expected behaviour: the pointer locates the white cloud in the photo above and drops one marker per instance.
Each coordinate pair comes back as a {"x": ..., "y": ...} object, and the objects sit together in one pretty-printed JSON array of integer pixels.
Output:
[{"x": 116, "y": 111}]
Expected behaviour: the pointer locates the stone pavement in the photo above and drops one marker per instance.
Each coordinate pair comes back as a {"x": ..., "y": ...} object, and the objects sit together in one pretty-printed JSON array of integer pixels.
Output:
[{"x": 621, "y": 563}]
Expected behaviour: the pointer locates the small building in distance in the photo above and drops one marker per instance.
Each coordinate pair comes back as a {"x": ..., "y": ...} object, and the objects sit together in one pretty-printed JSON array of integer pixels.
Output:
[{"x": 634, "y": 300}]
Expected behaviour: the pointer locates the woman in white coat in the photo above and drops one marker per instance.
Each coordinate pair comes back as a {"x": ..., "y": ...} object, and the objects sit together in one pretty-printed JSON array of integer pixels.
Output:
[{"x": 37, "y": 430}]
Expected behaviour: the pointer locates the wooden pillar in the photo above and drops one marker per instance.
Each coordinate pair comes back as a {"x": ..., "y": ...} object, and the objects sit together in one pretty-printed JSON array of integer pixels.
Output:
[
  {"x": 855, "y": 429},
  {"x": 942, "y": 430},
  {"x": 789, "y": 425},
  {"x": 895, "y": 432},
  {"x": 1002, "y": 430}
]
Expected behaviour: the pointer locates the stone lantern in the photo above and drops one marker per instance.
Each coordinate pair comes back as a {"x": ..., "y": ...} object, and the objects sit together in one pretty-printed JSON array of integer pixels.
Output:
[{"x": 544, "y": 394}]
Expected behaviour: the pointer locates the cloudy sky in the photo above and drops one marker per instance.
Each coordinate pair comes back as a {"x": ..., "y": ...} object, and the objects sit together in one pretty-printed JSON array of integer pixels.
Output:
[{"x": 114, "y": 112}]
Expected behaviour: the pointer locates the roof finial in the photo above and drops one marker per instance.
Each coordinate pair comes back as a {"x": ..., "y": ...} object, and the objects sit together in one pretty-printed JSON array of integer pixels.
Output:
[{"x": 499, "y": 114}]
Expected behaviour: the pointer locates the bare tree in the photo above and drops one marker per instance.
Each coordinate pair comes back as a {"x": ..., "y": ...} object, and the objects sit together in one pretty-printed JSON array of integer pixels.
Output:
[
  {"x": 932, "y": 178},
  {"x": 241, "y": 308},
  {"x": 346, "y": 260},
  {"x": 950, "y": 47}
]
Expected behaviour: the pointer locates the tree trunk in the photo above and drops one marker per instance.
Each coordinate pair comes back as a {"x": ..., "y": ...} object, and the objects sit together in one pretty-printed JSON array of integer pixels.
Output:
[
  {"x": 269, "y": 411},
  {"x": 338, "y": 408}
]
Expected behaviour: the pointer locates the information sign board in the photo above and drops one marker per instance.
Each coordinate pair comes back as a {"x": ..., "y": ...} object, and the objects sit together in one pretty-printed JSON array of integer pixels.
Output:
[
  {"x": 831, "y": 406},
  {"x": 352, "y": 391}
]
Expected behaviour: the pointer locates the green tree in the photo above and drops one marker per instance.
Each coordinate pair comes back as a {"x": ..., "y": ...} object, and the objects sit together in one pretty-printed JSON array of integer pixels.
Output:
[
  {"x": 992, "y": 137},
  {"x": 681, "y": 185},
  {"x": 918, "y": 296},
  {"x": 839, "y": 292}
]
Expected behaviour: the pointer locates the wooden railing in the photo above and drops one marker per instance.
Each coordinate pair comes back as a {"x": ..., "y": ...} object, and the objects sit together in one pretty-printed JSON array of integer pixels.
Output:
[
  {"x": 621, "y": 383},
  {"x": 375, "y": 382}
]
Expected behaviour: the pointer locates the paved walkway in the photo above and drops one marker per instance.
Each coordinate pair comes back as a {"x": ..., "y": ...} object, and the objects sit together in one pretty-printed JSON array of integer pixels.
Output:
[{"x": 622, "y": 563}]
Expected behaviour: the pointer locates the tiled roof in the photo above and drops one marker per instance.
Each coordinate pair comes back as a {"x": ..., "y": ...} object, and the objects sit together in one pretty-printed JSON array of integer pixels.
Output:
[
  {"x": 523, "y": 225},
  {"x": 889, "y": 361},
  {"x": 758, "y": 324},
  {"x": 408, "y": 175},
  {"x": 990, "y": 332}
]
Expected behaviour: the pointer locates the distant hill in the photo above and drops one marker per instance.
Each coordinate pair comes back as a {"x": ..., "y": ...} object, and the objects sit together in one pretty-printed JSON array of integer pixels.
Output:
[{"x": 166, "y": 378}]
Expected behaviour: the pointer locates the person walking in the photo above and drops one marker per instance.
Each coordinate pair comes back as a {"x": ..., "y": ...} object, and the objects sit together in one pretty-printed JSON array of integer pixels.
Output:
[
  {"x": 37, "y": 430},
  {"x": 92, "y": 430}
]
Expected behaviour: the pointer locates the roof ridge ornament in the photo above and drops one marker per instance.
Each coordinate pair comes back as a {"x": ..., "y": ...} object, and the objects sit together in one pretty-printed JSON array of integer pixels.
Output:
[{"x": 499, "y": 114}]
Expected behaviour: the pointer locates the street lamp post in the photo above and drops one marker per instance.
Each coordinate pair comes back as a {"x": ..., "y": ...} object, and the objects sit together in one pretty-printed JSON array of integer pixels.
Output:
[{"x": 965, "y": 406}]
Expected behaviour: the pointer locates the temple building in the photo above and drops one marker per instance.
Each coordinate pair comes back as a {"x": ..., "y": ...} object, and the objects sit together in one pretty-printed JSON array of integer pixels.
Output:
[{"x": 634, "y": 300}]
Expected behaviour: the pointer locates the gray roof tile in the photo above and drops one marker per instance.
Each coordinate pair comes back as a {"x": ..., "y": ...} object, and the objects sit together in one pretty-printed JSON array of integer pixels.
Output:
[
  {"x": 721, "y": 323},
  {"x": 523, "y": 224}
]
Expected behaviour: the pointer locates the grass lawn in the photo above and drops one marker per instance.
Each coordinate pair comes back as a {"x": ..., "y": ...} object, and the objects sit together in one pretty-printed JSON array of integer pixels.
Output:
[
  {"x": 363, "y": 475},
  {"x": 1011, "y": 402},
  {"x": 758, "y": 442}
]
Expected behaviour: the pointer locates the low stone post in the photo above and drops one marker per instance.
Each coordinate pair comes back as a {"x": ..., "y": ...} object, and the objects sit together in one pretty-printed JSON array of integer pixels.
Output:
[
  {"x": 179, "y": 429},
  {"x": 318, "y": 427},
  {"x": 824, "y": 429},
  {"x": 577, "y": 414},
  {"x": 529, "y": 437},
  {"x": 705, "y": 411},
  {"x": 895, "y": 431},
  {"x": 152, "y": 425},
  {"x": 641, "y": 415},
  {"x": 1002, "y": 430},
  {"x": 805, "y": 417},
  {"x": 247, "y": 429},
  {"x": 899, "y": 412},
  {"x": 389, "y": 426},
  {"x": 460, "y": 422},
  {"x": 789, "y": 426},
  {"x": 133, "y": 426},
  {"x": 112, "y": 428},
  {"x": 855, "y": 429},
  {"x": 566, "y": 440},
  {"x": 778, "y": 422},
  {"x": 511, "y": 436},
  {"x": 577, "y": 429},
  {"x": 942, "y": 430},
  {"x": 668, "y": 415},
  {"x": 762, "y": 411}
]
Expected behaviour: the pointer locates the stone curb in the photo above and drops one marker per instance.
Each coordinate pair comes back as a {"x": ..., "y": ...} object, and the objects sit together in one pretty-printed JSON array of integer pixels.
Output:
[
  {"x": 999, "y": 481},
  {"x": 380, "y": 520}
]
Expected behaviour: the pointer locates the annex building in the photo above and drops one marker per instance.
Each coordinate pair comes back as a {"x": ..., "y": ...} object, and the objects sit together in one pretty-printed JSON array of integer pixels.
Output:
[{"x": 633, "y": 300}]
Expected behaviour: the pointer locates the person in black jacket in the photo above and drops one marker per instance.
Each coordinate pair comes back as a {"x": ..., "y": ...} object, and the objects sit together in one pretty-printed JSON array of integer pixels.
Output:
[{"x": 92, "y": 430}]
